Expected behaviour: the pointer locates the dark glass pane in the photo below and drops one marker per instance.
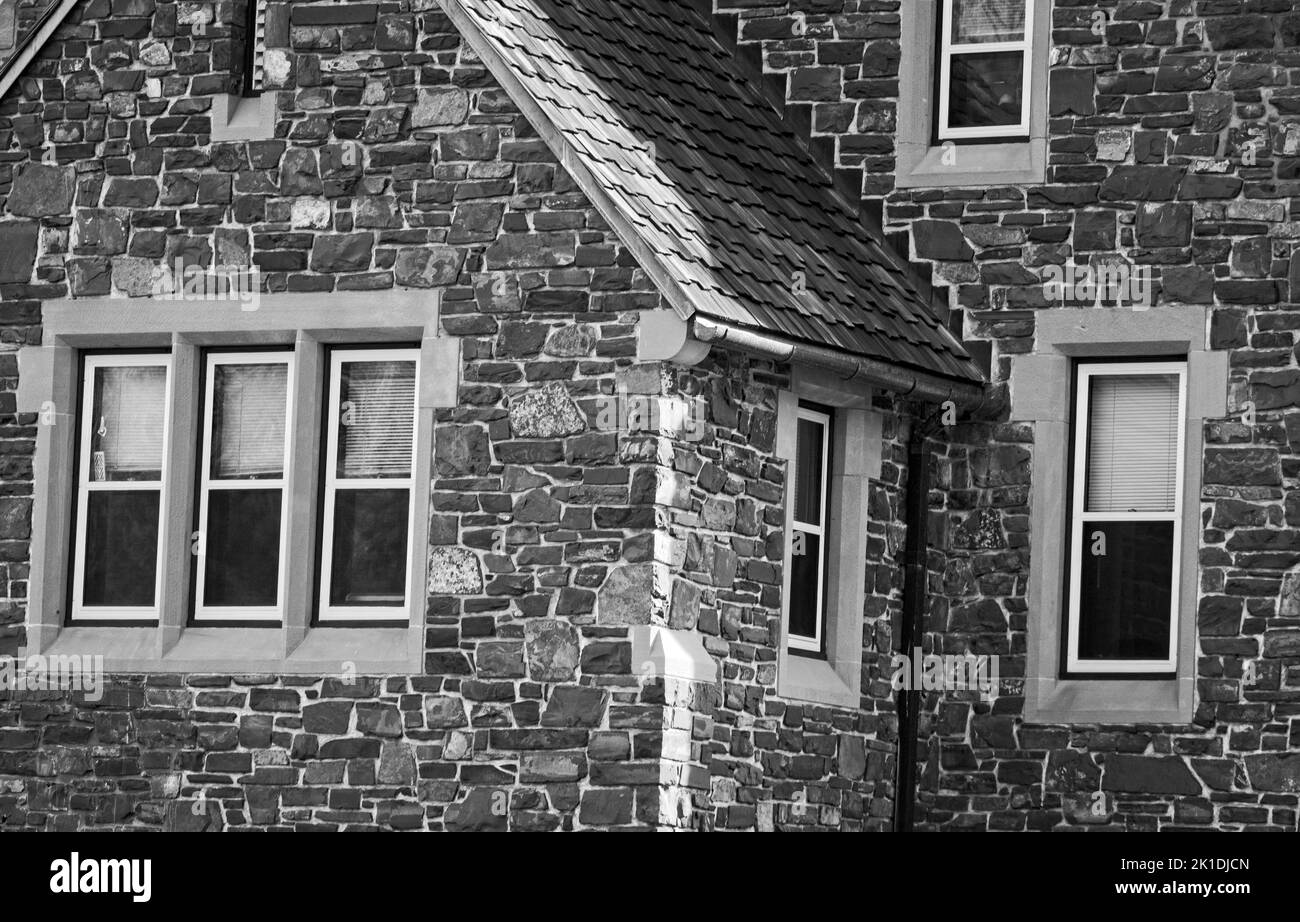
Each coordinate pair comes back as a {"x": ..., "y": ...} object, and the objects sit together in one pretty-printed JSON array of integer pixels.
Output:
[
  {"x": 1126, "y": 593},
  {"x": 242, "y": 552},
  {"x": 121, "y": 566},
  {"x": 808, "y": 472},
  {"x": 369, "y": 560},
  {"x": 986, "y": 90},
  {"x": 805, "y": 613}
]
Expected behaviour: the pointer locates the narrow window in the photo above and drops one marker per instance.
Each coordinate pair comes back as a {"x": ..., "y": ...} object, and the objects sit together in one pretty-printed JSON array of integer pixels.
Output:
[
  {"x": 984, "y": 69},
  {"x": 369, "y": 474},
  {"x": 254, "y": 47},
  {"x": 121, "y": 468},
  {"x": 809, "y": 531},
  {"x": 1126, "y": 517},
  {"x": 242, "y": 500}
]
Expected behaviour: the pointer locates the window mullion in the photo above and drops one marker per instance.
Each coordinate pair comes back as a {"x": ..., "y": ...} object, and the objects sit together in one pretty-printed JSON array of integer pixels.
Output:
[
  {"x": 181, "y": 451},
  {"x": 300, "y": 482}
]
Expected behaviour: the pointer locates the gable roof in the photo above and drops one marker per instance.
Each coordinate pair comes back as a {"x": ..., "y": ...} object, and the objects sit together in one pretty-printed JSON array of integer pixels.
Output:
[{"x": 730, "y": 215}]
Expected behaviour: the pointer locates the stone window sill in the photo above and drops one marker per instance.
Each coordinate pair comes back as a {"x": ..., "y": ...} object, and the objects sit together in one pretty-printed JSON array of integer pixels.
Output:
[
  {"x": 1111, "y": 701},
  {"x": 803, "y": 678},
  {"x": 1021, "y": 162},
  {"x": 240, "y": 118},
  {"x": 322, "y": 651}
]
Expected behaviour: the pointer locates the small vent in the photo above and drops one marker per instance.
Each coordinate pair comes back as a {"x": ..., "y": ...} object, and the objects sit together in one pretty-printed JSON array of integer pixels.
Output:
[{"x": 254, "y": 47}]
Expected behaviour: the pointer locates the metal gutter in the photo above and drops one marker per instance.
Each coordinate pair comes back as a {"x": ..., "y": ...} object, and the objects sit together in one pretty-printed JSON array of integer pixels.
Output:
[{"x": 920, "y": 385}]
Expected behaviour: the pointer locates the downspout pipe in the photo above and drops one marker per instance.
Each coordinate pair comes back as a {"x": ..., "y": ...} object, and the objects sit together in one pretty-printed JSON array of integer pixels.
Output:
[
  {"x": 927, "y": 389},
  {"x": 912, "y": 629},
  {"x": 917, "y": 385}
]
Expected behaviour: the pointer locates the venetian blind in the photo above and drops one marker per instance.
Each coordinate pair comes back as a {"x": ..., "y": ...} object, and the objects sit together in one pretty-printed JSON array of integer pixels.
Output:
[
  {"x": 250, "y": 403},
  {"x": 1133, "y": 443},
  {"x": 129, "y": 424},
  {"x": 377, "y": 421},
  {"x": 988, "y": 21}
]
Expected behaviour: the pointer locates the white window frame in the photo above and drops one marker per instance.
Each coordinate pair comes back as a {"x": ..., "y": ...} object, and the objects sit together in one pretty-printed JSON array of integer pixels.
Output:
[
  {"x": 815, "y": 643},
  {"x": 91, "y": 362},
  {"x": 947, "y": 50},
  {"x": 217, "y": 613},
  {"x": 327, "y": 613},
  {"x": 1085, "y": 373}
]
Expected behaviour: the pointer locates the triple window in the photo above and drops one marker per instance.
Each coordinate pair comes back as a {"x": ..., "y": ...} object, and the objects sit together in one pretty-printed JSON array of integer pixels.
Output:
[
  {"x": 243, "y": 500},
  {"x": 985, "y": 52},
  {"x": 1125, "y": 517}
]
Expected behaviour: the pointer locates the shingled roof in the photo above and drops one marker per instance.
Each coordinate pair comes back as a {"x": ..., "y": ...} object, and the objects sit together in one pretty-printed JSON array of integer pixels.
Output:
[{"x": 734, "y": 216}]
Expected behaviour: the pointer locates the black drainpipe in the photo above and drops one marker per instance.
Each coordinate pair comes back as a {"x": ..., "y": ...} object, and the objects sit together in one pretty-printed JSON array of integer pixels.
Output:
[{"x": 912, "y": 628}]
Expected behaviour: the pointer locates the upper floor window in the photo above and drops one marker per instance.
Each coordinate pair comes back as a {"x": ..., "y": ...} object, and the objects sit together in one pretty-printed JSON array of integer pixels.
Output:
[
  {"x": 984, "y": 66},
  {"x": 120, "y": 497},
  {"x": 810, "y": 530},
  {"x": 369, "y": 476},
  {"x": 242, "y": 499},
  {"x": 1126, "y": 517}
]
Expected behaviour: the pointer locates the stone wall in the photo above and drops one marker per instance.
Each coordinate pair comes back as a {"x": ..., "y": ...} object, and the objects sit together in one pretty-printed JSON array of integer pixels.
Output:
[
  {"x": 774, "y": 762},
  {"x": 397, "y": 162},
  {"x": 1174, "y": 140}
]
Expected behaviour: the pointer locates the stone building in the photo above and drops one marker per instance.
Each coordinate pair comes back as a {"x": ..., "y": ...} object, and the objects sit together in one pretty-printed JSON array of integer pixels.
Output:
[{"x": 567, "y": 415}]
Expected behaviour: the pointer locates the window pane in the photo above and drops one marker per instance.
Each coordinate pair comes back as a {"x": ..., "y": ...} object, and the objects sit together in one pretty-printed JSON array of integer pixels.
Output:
[
  {"x": 988, "y": 21},
  {"x": 369, "y": 559},
  {"x": 376, "y": 419},
  {"x": 986, "y": 90},
  {"x": 126, "y": 438},
  {"x": 242, "y": 551},
  {"x": 805, "y": 613},
  {"x": 808, "y": 472},
  {"x": 1133, "y": 443},
  {"x": 121, "y": 566},
  {"x": 1125, "y": 593},
  {"x": 248, "y": 421}
]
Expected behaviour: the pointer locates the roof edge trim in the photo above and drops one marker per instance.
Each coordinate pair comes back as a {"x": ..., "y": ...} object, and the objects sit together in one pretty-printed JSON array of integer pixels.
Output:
[{"x": 17, "y": 65}]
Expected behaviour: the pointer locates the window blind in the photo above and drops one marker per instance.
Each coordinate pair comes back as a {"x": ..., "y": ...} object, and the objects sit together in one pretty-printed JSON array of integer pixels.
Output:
[
  {"x": 809, "y": 470},
  {"x": 377, "y": 419},
  {"x": 249, "y": 407},
  {"x": 988, "y": 21},
  {"x": 128, "y": 422},
  {"x": 1133, "y": 430}
]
